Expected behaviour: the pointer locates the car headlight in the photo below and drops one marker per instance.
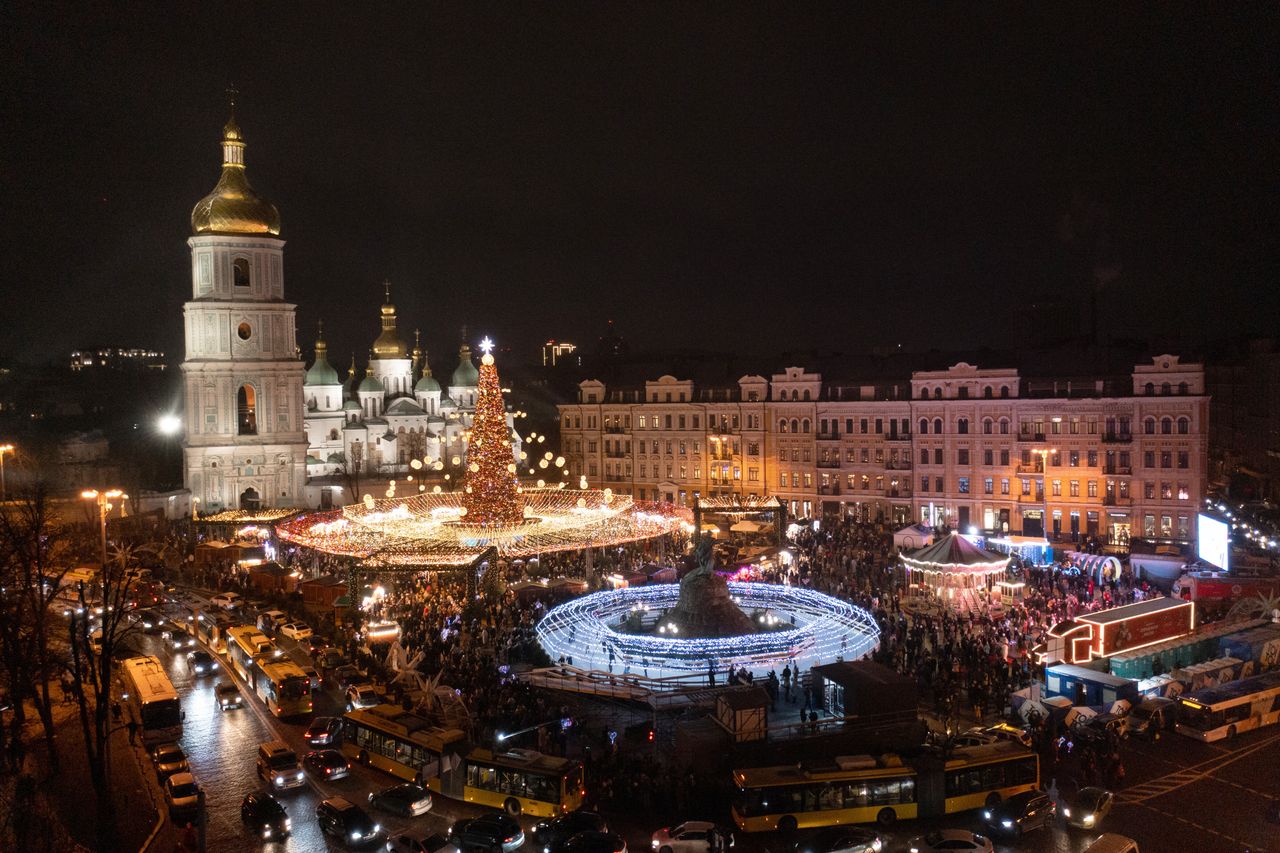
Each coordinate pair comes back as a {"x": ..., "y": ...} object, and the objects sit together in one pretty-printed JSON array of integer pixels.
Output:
[
  {"x": 1088, "y": 818},
  {"x": 986, "y": 814},
  {"x": 279, "y": 780},
  {"x": 288, "y": 823},
  {"x": 656, "y": 845},
  {"x": 876, "y": 844},
  {"x": 1007, "y": 824},
  {"x": 355, "y": 836},
  {"x": 266, "y": 832},
  {"x": 1066, "y": 812},
  {"x": 377, "y": 827}
]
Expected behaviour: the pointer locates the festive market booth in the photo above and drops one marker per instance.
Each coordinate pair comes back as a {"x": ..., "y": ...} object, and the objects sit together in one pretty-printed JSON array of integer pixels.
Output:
[
  {"x": 272, "y": 577},
  {"x": 912, "y": 537},
  {"x": 957, "y": 572},
  {"x": 1031, "y": 550}
]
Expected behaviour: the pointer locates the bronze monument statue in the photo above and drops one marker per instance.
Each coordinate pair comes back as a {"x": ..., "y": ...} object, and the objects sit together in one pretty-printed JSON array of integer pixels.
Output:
[{"x": 705, "y": 608}]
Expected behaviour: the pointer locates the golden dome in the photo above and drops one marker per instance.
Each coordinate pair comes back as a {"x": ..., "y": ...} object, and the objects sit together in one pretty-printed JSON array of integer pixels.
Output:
[
  {"x": 233, "y": 207},
  {"x": 388, "y": 344}
]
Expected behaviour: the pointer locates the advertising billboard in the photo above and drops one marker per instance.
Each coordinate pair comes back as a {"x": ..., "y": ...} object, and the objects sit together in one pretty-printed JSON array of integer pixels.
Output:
[
  {"x": 1213, "y": 541},
  {"x": 1140, "y": 625}
]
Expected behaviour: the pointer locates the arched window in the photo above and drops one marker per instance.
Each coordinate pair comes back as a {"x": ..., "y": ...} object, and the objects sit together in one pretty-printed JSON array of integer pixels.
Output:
[
  {"x": 937, "y": 393},
  {"x": 804, "y": 425},
  {"x": 806, "y": 393},
  {"x": 1166, "y": 426},
  {"x": 782, "y": 425},
  {"x": 795, "y": 425},
  {"x": 246, "y": 411},
  {"x": 1004, "y": 426},
  {"x": 333, "y": 435},
  {"x": 937, "y": 426},
  {"x": 1004, "y": 390},
  {"x": 962, "y": 426},
  {"x": 924, "y": 426},
  {"x": 240, "y": 272},
  {"x": 1184, "y": 426},
  {"x": 1149, "y": 389},
  {"x": 924, "y": 393},
  {"x": 1149, "y": 426},
  {"x": 988, "y": 426},
  {"x": 1183, "y": 388},
  {"x": 987, "y": 392},
  {"x": 1166, "y": 389}
]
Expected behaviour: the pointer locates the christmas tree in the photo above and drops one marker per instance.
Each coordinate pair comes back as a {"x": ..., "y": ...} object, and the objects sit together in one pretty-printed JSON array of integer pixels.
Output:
[{"x": 491, "y": 495}]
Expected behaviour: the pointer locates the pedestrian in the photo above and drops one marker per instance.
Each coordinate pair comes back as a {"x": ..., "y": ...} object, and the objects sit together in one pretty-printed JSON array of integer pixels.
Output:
[
  {"x": 189, "y": 840},
  {"x": 115, "y": 711},
  {"x": 133, "y": 731}
]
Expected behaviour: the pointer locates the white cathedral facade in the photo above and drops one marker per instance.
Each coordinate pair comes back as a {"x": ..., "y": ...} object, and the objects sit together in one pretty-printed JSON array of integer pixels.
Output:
[{"x": 260, "y": 430}]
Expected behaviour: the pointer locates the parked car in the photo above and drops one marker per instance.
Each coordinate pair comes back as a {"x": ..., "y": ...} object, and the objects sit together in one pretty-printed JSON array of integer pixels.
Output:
[
  {"x": 842, "y": 839},
  {"x": 328, "y": 764},
  {"x": 312, "y": 675},
  {"x": 227, "y": 696},
  {"x": 692, "y": 836},
  {"x": 1153, "y": 716},
  {"x": 296, "y": 631},
  {"x": 264, "y": 815},
  {"x": 177, "y": 638},
  {"x": 1020, "y": 813},
  {"x": 227, "y": 600},
  {"x": 405, "y": 799},
  {"x": 278, "y": 765},
  {"x": 343, "y": 819},
  {"x": 329, "y": 660},
  {"x": 594, "y": 842},
  {"x": 346, "y": 675},
  {"x": 182, "y": 794},
  {"x": 323, "y": 731},
  {"x": 486, "y": 833},
  {"x": 421, "y": 843},
  {"x": 317, "y": 644},
  {"x": 950, "y": 841},
  {"x": 169, "y": 759},
  {"x": 271, "y": 620},
  {"x": 549, "y": 834},
  {"x": 362, "y": 696},
  {"x": 201, "y": 662},
  {"x": 1088, "y": 808}
]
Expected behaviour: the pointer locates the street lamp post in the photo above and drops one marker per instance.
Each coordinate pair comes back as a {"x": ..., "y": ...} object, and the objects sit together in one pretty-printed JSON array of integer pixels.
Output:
[
  {"x": 4, "y": 448},
  {"x": 1044, "y": 453},
  {"x": 103, "y": 499}
]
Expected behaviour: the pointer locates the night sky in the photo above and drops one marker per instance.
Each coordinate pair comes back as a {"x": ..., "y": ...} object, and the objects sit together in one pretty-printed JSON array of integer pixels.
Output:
[{"x": 732, "y": 176}]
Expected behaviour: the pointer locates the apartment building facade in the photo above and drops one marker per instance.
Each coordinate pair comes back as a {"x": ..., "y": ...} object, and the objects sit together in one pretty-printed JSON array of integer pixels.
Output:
[{"x": 966, "y": 446}]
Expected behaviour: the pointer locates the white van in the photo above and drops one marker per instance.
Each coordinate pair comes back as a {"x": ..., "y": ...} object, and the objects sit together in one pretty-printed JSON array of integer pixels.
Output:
[
  {"x": 278, "y": 765},
  {"x": 1109, "y": 842}
]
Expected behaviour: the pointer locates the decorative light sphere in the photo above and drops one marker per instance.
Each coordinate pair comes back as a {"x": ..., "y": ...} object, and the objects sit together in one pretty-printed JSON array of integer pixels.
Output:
[
  {"x": 368, "y": 501},
  {"x": 541, "y": 439},
  {"x": 547, "y": 455},
  {"x": 457, "y": 460},
  {"x": 542, "y": 463},
  {"x": 462, "y": 510},
  {"x": 486, "y": 359},
  {"x": 541, "y": 484},
  {"x": 582, "y": 503},
  {"x": 511, "y": 467},
  {"x": 473, "y": 467},
  {"x": 436, "y": 490},
  {"x": 415, "y": 464},
  {"x": 559, "y": 461}
]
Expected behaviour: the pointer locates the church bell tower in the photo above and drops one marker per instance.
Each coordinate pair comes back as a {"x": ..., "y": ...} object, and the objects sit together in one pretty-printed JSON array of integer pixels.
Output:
[{"x": 245, "y": 445}]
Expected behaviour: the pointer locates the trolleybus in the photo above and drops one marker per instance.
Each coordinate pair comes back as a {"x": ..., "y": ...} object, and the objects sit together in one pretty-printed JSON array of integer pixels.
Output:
[
  {"x": 280, "y": 683},
  {"x": 152, "y": 700},
  {"x": 1224, "y": 711}
]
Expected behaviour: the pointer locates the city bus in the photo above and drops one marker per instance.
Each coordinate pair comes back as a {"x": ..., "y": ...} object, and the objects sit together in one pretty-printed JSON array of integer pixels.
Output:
[
  {"x": 280, "y": 683},
  {"x": 408, "y": 745},
  {"x": 1224, "y": 711},
  {"x": 864, "y": 789},
  {"x": 152, "y": 701}
]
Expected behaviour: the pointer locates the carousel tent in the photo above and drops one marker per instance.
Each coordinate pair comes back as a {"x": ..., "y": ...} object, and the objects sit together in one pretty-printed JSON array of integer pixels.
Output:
[
  {"x": 913, "y": 536},
  {"x": 954, "y": 569}
]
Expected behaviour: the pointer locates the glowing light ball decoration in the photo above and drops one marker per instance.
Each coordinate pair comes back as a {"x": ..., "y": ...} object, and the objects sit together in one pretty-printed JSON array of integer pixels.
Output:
[{"x": 491, "y": 493}]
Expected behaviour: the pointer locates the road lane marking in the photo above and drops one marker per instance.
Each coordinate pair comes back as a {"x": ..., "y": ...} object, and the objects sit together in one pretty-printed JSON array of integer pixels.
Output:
[{"x": 1189, "y": 776}]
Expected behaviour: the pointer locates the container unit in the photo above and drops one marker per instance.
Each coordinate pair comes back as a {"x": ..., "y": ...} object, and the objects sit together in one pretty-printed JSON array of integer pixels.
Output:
[
  {"x": 1208, "y": 674},
  {"x": 1205, "y": 644},
  {"x": 1260, "y": 647}
]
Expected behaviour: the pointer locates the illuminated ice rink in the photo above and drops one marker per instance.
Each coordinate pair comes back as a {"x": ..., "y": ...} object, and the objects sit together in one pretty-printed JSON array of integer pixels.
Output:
[{"x": 586, "y": 630}]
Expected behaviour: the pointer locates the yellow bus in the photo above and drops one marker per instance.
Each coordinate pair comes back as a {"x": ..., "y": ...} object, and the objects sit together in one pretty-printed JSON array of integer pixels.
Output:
[
  {"x": 279, "y": 682},
  {"x": 408, "y": 745},
  {"x": 153, "y": 702},
  {"x": 863, "y": 789}
]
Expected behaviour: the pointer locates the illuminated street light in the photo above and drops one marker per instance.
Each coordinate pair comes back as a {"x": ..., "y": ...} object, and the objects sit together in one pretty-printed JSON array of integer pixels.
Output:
[
  {"x": 4, "y": 448},
  {"x": 103, "y": 499},
  {"x": 169, "y": 424}
]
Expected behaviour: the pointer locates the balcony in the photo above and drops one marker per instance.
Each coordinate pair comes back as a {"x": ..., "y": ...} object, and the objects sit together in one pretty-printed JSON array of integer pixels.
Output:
[
  {"x": 828, "y": 436},
  {"x": 1115, "y": 500},
  {"x": 898, "y": 493},
  {"x": 1031, "y": 436},
  {"x": 1030, "y": 467},
  {"x": 1118, "y": 470},
  {"x": 899, "y": 465},
  {"x": 719, "y": 456},
  {"x": 1117, "y": 437},
  {"x": 614, "y": 429},
  {"x": 828, "y": 463}
]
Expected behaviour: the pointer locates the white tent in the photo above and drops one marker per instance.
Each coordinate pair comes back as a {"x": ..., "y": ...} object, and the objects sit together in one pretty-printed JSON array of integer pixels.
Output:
[{"x": 912, "y": 537}]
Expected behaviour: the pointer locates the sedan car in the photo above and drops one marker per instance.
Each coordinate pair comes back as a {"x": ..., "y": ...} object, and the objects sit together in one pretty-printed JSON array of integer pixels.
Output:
[
  {"x": 487, "y": 833},
  {"x": 594, "y": 842},
  {"x": 316, "y": 644},
  {"x": 692, "y": 836},
  {"x": 148, "y": 620},
  {"x": 1020, "y": 813},
  {"x": 406, "y": 799},
  {"x": 227, "y": 600},
  {"x": 327, "y": 763},
  {"x": 182, "y": 794},
  {"x": 227, "y": 696},
  {"x": 176, "y": 638},
  {"x": 362, "y": 696},
  {"x": 420, "y": 843},
  {"x": 296, "y": 631},
  {"x": 548, "y": 835},
  {"x": 201, "y": 662},
  {"x": 264, "y": 815},
  {"x": 323, "y": 731},
  {"x": 842, "y": 839},
  {"x": 942, "y": 840},
  {"x": 1088, "y": 808},
  {"x": 169, "y": 759},
  {"x": 343, "y": 819},
  {"x": 347, "y": 675}
]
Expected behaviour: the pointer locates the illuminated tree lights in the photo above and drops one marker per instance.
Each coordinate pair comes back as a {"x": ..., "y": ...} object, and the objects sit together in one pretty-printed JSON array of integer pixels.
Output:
[
  {"x": 491, "y": 494},
  {"x": 826, "y": 629}
]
